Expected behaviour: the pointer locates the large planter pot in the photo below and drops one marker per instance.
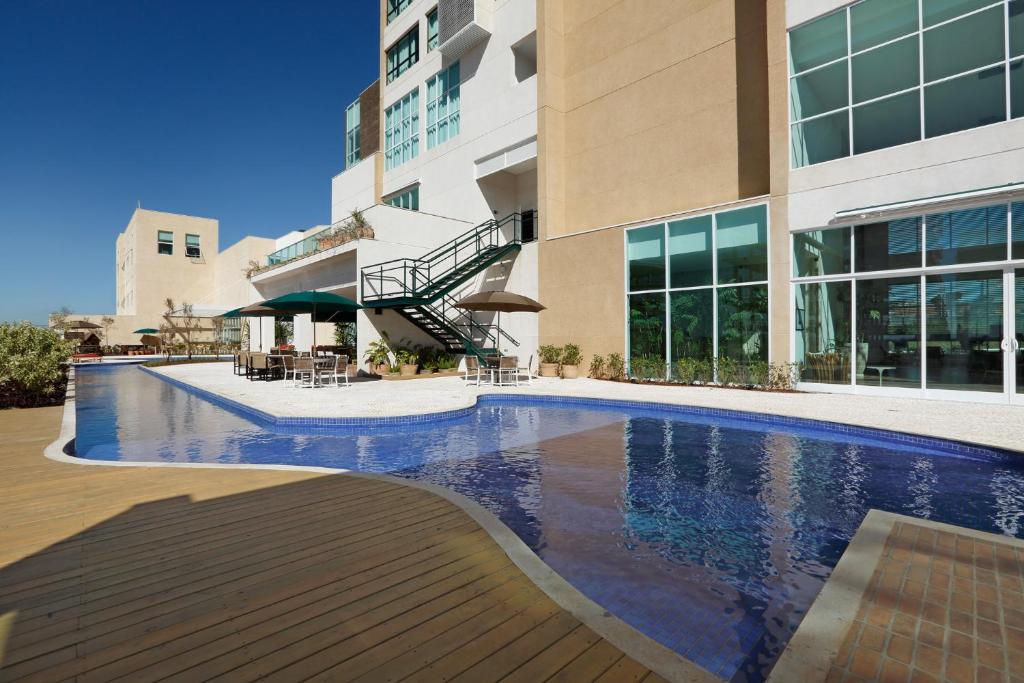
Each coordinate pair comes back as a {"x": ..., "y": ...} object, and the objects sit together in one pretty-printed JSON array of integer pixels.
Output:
[
  {"x": 549, "y": 369},
  {"x": 408, "y": 369},
  {"x": 382, "y": 369},
  {"x": 570, "y": 371}
]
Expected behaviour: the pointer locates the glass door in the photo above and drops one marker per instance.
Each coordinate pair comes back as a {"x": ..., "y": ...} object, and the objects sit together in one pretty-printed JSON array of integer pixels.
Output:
[{"x": 1014, "y": 343}]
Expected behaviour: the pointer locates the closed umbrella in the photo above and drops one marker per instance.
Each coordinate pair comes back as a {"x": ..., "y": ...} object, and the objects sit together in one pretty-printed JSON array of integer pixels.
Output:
[
  {"x": 500, "y": 302},
  {"x": 323, "y": 307}
]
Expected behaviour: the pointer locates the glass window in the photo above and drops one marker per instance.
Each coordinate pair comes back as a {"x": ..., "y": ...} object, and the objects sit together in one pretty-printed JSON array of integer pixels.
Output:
[
  {"x": 965, "y": 330},
  {"x": 402, "y": 130},
  {"x": 742, "y": 241},
  {"x": 823, "y": 317},
  {"x": 886, "y": 70},
  {"x": 819, "y": 91},
  {"x": 976, "y": 99},
  {"x": 352, "y": 134},
  {"x": 647, "y": 328},
  {"x": 889, "y": 332},
  {"x": 818, "y": 42},
  {"x": 874, "y": 22},
  {"x": 887, "y": 123},
  {"x": 396, "y": 7},
  {"x": 965, "y": 44},
  {"x": 1017, "y": 89},
  {"x": 646, "y": 258},
  {"x": 443, "y": 106},
  {"x": 743, "y": 323},
  {"x": 821, "y": 139},
  {"x": 192, "y": 249},
  {"x": 1017, "y": 229},
  {"x": 936, "y": 11},
  {"x": 165, "y": 242},
  {"x": 822, "y": 252},
  {"x": 888, "y": 245},
  {"x": 693, "y": 324},
  {"x": 690, "y": 252},
  {"x": 432, "y": 35},
  {"x": 410, "y": 199},
  {"x": 1016, "y": 28},
  {"x": 403, "y": 54},
  {"x": 966, "y": 236}
]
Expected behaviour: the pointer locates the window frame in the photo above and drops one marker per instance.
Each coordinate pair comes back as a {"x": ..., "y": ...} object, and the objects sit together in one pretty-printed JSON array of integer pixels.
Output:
[
  {"x": 433, "y": 39},
  {"x": 394, "y": 9},
  {"x": 395, "y": 138},
  {"x": 408, "y": 195},
  {"x": 198, "y": 246},
  {"x": 162, "y": 242},
  {"x": 395, "y": 71},
  {"x": 353, "y": 142},
  {"x": 444, "y": 97}
]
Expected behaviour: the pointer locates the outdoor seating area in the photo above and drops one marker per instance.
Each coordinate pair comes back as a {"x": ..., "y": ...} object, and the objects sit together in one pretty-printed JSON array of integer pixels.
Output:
[
  {"x": 499, "y": 371},
  {"x": 301, "y": 369}
]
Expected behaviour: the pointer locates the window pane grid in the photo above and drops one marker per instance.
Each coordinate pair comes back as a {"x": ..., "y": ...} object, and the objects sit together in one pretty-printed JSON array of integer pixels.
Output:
[
  {"x": 432, "y": 30},
  {"x": 402, "y": 130},
  {"x": 962, "y": 45},
  {"x": 403, "y": 54},
  {"x": 443, "y": 106}
]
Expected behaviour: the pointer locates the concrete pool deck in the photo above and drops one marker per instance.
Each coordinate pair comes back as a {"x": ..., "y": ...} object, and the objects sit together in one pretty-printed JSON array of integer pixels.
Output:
[{"x": 1000, "y": 426}]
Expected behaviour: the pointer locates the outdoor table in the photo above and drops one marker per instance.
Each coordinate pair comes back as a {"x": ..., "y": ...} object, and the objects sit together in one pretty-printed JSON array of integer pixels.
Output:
[{"x": 881, "y": 370}]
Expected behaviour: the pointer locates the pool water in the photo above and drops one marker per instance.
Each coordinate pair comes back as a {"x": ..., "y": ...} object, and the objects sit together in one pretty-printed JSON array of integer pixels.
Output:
[{"x": 711, "y": 535}]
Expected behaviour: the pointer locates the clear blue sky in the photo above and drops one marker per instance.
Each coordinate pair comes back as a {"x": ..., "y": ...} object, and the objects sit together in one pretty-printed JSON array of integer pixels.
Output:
[{"x": 231, "y": 110}]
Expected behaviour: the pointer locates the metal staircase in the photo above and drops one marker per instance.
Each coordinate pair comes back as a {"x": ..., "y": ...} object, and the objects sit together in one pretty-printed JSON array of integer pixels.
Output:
[{"x": 419, "y": 289}]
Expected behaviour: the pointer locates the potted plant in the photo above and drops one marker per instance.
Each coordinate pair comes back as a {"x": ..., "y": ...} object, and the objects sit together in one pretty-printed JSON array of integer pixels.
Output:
[
  {"x": 571, "y": 357},
  {"x": 407, "y": 361},
  {"x": 550, "y": 357},
  {"x": 378, "y": 356}
]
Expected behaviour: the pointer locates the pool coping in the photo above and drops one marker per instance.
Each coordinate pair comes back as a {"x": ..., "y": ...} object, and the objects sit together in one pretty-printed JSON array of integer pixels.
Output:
[
  {"x": 810, "y": 652},
  {"x": 645, "y": 650},
  {"x": 958, "y": 446}
]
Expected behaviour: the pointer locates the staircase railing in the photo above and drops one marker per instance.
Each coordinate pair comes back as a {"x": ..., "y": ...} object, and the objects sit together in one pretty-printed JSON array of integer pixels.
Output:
[
  {"x": 427, "y": 276},
  {"x": 482, "y": 336}
]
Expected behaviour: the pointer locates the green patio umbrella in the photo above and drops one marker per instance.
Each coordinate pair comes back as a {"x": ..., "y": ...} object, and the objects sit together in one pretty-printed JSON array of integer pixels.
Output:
[
  {"x": 323, "y": 307},
  {"x": 257, "y": 310},
  {"x": 146, "y": 330}
]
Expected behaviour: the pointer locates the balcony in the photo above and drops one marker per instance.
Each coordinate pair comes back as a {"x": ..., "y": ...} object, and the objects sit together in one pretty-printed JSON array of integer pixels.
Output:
[{"x": 462, "y": 24}]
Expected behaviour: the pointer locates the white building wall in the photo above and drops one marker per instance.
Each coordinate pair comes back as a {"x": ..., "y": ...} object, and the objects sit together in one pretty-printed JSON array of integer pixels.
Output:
[{"x": 353, "y": 188}]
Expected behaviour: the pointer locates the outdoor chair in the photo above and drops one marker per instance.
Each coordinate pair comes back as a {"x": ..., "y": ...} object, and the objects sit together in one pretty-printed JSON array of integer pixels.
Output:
[
  {"x": 327, "y": 370},
  {"x": 527, "y": 370},
  {"x": 341, "y": 369},
  {"x": 305, "y": 372},
  {"x": 259, "y": 366},
  {"x": 473, "y": 369},
  {"x": 508, "y": 370},
  {"x": 288, "y": 361},
  {"x": 243, "y": 364}
]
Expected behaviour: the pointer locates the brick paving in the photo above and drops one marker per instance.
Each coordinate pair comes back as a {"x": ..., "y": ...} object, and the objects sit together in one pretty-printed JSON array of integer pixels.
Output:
[{"x": 940, "y": 607}]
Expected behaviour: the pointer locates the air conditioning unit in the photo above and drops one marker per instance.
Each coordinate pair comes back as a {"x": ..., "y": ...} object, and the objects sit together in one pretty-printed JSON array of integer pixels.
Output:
[{"x": 462, "y": 24}]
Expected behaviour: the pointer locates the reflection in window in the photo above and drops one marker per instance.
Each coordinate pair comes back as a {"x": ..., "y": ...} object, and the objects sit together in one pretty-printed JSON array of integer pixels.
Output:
[
  {"x": 403, "y": 54},
  {"x": 646, "y": 258},
  {"x": 192, "y": 249},
  {"x": 742, "y": 245},
  {"x": 968, "y": 43},
  {"x": 821, "y": 252},
  {"x": 888, "y": 245},
  {"x": 874, "y": 22},
  {"x": 443, "y": 106},
  {"x": 965, "y": 330},
  {"x": 824, "y": 312},
  {"x": 821, "y": 139},
  {"x": 1017, "y": 229},
  {"x": 693, "y": 325},
  {"x": 402, "y": 130},
  {"x": 165, "y": 242},
  {"x": 647, "y": 328},
  {"x": 976, "y": 99},
  {"x": 887, "y": 123},
  {"x": 966, "y": 236},
  {"x": 743, "y": 323},
  {"x": 889, "y": 332},
  {"x": 886, "y": 70},
  {"x": 818, "y": 42},
  {"x": 690, "y": 252}
]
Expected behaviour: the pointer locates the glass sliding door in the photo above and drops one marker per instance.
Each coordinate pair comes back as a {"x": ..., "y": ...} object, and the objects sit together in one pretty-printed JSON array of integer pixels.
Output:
[
  {"x": 1016, "y": 343},
  {"x": 823, "y": 334},
  {"x": 964, "y": 328},
  {"x": 889, "y": 332}
]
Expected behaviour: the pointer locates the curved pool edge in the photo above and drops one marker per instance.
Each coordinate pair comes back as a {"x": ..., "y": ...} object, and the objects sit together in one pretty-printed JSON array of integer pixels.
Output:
[
  {"x": 958, "y": 446},
  {"x": 645, "y": 650}
]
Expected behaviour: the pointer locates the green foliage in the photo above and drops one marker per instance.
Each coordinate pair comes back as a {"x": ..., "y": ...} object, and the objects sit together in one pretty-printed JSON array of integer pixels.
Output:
[
  {"x": 345, "y": 334},
  {"x": 549, "y": 353},
  {"x": 616, "y": 366},
  {"x": 378, "y": 352},
  {"x": 283, "y": 332},
  {"x": 32, "y": 364},
  {"x": 693, "y": 371},
  {"x": 447, "y": 361},
  {"x": 648, "y": 368},
  {"x": 571, "y": 354},
  {"x": 597, "y": 367}
]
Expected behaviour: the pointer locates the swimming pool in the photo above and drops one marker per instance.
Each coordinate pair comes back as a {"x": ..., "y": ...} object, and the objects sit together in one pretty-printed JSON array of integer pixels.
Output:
[{"x": 710, "y": 533}]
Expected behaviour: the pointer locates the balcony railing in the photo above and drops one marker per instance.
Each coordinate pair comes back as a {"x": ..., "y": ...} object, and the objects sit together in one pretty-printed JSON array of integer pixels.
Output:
[{"x": 314, "y": 244}]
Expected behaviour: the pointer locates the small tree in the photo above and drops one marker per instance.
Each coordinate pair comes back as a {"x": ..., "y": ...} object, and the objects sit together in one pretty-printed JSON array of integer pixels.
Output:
[
  {"x": 345, "y": 334},
  {"x": 182, "y": 322},
  {"x": 59, "y": 319},
  {"x": 107, "y": 322},
  {"x": 218, "y": 334}
]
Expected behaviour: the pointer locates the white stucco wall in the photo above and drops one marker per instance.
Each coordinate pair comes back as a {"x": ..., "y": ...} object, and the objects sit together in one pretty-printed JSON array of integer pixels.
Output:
[{"x": 353, "y": 188}]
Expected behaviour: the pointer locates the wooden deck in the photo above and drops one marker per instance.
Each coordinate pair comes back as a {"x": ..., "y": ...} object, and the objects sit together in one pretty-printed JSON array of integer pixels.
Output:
[{"x": 144, "y": 574}]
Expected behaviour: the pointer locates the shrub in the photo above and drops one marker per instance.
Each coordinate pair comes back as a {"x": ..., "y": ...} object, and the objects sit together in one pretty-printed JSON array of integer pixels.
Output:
[
  {"x": 571, "y": 354},
  {"x": 694, "y": 371},
  {"x": 729, "y": 371},
  {"x": 33, "y": 367},
  {"x": 549, "y": 353},
  {"x": 647, "y": 368},
  {"x": 597, "y": 367},
  {"x": 616, "y": 366},
  {"x": 782, "y": 376}
]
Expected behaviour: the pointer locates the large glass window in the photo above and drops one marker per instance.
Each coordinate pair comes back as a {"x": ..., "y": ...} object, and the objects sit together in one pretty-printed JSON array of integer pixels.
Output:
[
  {"x": 821, "y": 252},
  {"x": 646, "y": 258},
  {"x": 823, "y": 318},
  {"x": 403, "y": 54},
  {"x": 396, "y": 7},
  {"x": 888, "y": 245},
  {"x": 432, "y": 33},
  {"x": 402, "y": 130},
  {"x": 889, "y": 332},
  {"x": 443, "y": 106},
  {"x": 352, "y": 134},
  {"x": 964, "y": 74},
  {"x": 966, "y": 236},
  {"x": 409, "y": 199},
  {"x": 965, "y": 329},
  {"x": 1017, "y": 229},
  {"x": 679, "y": 259},
  {"x": 165, "y": 242},
  {"x": 690, "y": 252}
]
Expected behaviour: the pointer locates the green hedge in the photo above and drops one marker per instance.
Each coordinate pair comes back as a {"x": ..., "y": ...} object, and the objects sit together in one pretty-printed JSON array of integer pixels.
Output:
[{"x": 33, "y": 365}]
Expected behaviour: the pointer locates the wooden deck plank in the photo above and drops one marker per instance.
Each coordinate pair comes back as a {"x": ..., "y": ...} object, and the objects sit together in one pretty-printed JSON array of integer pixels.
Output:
[{"x": 154, "y": 573}]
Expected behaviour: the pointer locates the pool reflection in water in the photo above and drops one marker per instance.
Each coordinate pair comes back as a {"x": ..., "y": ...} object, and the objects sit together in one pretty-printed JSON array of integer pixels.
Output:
[{"x": 711, "y": 535}]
